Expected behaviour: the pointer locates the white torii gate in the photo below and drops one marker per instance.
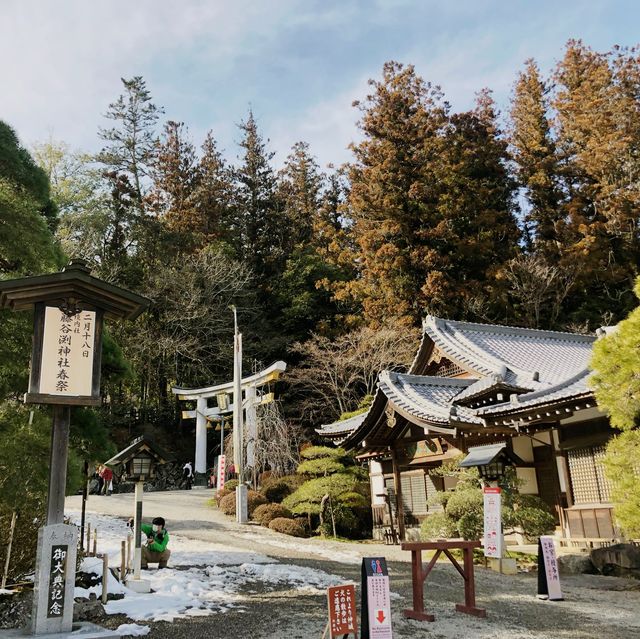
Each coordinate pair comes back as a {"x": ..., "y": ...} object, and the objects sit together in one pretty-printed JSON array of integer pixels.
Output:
[{"x": 251, "y": 399}]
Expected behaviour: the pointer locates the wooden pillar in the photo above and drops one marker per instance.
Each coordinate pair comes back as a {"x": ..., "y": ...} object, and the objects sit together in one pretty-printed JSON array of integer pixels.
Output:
[
  {"x": 58, "y": 464},
  {"x": 398, "y": 488}
]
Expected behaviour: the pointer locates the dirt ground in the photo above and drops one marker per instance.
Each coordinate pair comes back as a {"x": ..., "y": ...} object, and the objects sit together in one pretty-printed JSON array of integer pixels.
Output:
[{"x": 594, "y": 606}]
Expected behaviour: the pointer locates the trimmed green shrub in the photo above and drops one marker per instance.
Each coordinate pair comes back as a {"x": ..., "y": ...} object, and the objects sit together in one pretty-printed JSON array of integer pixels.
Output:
[
  {"x": 438, "y": 526},
  {"x": 265, "y": 513},
  {"x": 232, "y": 484},
  {"x": 287, "y": 526}
]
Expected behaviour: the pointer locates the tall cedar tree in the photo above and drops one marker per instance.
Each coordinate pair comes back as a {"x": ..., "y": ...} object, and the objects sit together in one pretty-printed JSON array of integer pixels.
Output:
[
  {"x": 475, "y": 228},
  {"x": 391, "y": 196},
  {"x": 537, "y": 170},
  {"x": 304, "y": 306},
  {"x": 431, "y": 204},
  {"x": 598, "y": 124},
  {"x": 175, "y": 179},
  {"x": 259, "y": 227},
  {"x": 214, "y": 194},
  {"x": 127, "y": 160}
]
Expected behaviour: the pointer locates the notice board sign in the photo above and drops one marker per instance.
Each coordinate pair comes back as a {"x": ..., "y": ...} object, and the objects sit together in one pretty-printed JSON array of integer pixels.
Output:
[
  {"x": 548, "y": 574},
  {"x": 492, "y": 521},
  {"x": 67, "y": 353},
  {"x": 376, "y": 600},
  {"x": 221, "y": 472},
  {"x": 343, "y": 618}
]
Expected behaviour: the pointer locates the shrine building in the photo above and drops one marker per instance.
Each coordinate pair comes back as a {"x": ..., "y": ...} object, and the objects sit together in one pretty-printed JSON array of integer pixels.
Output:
[{"x": 476, "y": 384}]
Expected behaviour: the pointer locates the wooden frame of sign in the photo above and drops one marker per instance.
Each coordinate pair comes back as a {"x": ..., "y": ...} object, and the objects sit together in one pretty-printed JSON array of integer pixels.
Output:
[{"x": 36, "y": 380}]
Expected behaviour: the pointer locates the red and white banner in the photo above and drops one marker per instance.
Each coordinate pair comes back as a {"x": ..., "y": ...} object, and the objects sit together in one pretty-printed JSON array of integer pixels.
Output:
[
  {"x": 221, "y": 472},
  {"x": 492, "y": 522}
]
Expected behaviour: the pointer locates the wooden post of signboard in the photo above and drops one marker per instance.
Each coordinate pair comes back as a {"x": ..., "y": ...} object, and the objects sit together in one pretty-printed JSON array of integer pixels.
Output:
[
  {"x": 58, "y": 464},
  {"x": 88, "y": 540}
]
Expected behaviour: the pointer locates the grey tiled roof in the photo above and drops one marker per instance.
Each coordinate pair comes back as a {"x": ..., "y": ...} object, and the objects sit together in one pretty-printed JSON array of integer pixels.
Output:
[
  {"x": 538, "y": 367},
  {"x": 524, "y": 356},
  {"x": 426, "y": 398},
  {"x": 342, "y": 427},
  {"x": 574, "y": 387}
]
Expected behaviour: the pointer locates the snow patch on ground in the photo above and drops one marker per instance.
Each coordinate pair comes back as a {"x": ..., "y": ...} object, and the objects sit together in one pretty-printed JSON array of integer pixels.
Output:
[
  {"x": 132, "y": 630},
  {"x": 203, "y": 578}
]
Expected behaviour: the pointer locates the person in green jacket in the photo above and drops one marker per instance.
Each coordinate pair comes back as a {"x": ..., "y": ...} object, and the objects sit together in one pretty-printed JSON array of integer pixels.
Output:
[{"x": 155, "y": 550}]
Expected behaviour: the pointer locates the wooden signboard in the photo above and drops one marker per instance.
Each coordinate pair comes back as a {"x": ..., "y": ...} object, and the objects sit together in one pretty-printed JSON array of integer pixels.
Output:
[
  {"x": 492, "y": 522},
  {"x": 548, "y": 574},
  {"x": 65, "y": 362},
  {"x": 343, "y": 618},
  {"x": 376, "y": 600}
]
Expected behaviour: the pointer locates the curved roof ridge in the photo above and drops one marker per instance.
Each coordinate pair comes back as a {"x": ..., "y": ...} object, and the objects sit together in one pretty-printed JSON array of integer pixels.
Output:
[
  {"x": 565, "y": 383},
  {"x": 479, "y": 361},
  {"x": 430, "y": 379},
  {"x": 521, "y": 330}
]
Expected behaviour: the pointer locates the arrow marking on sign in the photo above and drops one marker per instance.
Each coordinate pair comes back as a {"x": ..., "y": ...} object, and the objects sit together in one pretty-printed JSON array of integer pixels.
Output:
[{"x": 380, "y": 616}]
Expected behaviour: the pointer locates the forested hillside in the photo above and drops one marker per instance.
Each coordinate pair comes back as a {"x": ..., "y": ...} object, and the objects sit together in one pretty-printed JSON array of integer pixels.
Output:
[{"x": 529, "y": 217}]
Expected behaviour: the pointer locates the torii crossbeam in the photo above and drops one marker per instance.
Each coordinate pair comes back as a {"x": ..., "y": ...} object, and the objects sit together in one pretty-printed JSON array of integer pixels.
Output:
[{"x": 252, "y": 397}]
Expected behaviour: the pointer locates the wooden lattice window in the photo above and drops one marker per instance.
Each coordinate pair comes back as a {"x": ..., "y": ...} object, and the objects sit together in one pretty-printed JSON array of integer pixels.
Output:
[
  {"x": 445, "y": 368},
  {"x": 590, "y": 486}
]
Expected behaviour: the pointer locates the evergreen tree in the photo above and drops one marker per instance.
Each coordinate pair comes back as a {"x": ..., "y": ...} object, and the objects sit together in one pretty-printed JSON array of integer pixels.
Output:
[
  {"x": 258, "y": 230},
  {"x": 431, "y": 203},
  {"x": 537, "y": 164},
  {"x": 474, "y": 228},
  {"x": 598, "y": 124},
  {"x": 131, "y": 141},
  {"x": 391, "y": 194},
  {"x": 300, "y": 185},
  {"x": 175, "y": 179},
  {"x": 214, "y": 194}
]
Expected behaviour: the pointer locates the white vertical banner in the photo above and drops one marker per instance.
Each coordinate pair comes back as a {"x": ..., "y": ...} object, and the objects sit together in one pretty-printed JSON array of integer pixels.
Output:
[
  {"x": 492, "y": 522},
  {"x": 551, "y": 568}
]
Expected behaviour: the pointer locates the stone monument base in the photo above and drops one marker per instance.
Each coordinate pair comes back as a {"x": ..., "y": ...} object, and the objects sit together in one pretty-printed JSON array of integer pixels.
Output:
[
  {"x": 83, "y": 630},
  {"x": 138, "y": 585}
]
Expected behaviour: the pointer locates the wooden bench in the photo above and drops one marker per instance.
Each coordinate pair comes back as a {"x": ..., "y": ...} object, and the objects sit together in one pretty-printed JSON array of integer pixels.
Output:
[{"x": 419, "y": 575}]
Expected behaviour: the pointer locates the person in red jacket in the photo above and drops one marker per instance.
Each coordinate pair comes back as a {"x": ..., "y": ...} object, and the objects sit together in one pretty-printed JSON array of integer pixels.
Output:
[{"x": 107, "y": 478}]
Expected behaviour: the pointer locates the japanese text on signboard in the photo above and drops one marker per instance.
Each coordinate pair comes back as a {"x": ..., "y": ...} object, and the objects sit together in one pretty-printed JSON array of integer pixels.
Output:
[
  {"x": 342, "y": 610},
  {"x": 67, "y": 353},
  {"x": 57, "y": 574},
  {"x": 492, "y": 522},
  {"x": 551, "y": 567}
]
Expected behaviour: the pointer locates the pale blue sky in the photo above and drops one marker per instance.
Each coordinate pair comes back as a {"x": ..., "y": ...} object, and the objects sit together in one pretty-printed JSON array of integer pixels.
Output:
[{"x": 300, "y": 64}]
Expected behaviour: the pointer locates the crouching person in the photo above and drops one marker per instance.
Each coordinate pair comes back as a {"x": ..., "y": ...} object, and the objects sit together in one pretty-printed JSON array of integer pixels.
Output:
[{"x": 155, "y": 550}]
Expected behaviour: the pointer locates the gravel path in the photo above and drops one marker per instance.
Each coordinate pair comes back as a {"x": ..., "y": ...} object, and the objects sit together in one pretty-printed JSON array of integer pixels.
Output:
[{"x": 594, "y": 606}]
